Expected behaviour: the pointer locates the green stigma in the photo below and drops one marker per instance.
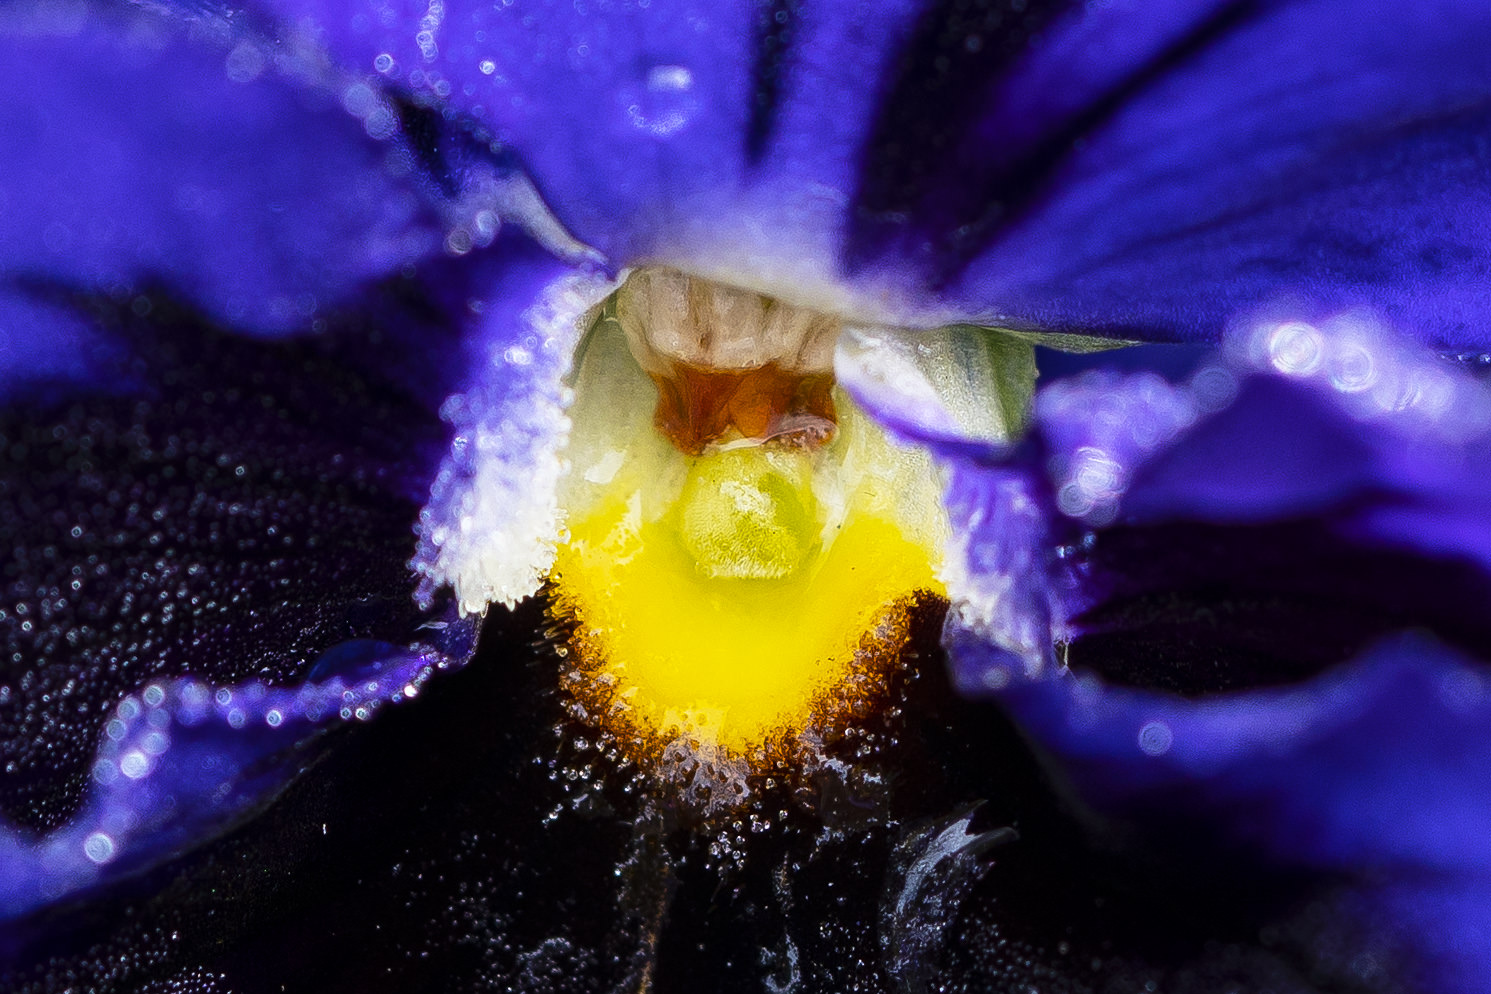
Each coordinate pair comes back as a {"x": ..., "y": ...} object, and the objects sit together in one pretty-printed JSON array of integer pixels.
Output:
[{"x": 749, "y": 513}]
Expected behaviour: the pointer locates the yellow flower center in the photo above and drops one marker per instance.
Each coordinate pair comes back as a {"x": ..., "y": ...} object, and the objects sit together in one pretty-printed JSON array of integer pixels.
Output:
[{"x": 732, "y": 593}]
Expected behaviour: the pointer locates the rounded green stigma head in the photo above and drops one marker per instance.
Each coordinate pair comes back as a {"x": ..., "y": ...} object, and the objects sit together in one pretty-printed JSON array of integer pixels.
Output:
[{"x": 749, "y": 513}]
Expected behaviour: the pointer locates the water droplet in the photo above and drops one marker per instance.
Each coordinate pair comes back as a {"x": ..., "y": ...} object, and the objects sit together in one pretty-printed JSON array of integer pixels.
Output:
[
  {"x": 1155, "y": 738},
  {"x": 135, "y": 764},
  {"x": 1295, "y": 348},
  {"x": 245, "y": 63},
  {"x": 665, "y": 102},
  {"x": 99, "y": 848}
]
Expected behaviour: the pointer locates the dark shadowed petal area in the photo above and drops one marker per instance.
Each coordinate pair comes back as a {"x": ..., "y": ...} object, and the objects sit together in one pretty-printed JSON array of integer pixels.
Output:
[
  {"x": 1269, "y": 583},
  {"x": 152, "y": 158},
  {"x": 209, "y": 535},
  {"x": 465, "y": 843},
  {"x": 183, "y": 760},
  {"x": 210, "y": 566},
  {"x": 1374, "y": 772},
  {"x": 243, "y": 510},
  {"x": 1146, "y": 171}
]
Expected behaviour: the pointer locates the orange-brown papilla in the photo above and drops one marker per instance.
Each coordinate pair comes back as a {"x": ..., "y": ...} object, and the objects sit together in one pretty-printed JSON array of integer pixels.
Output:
[{"x": 697, "y": 405}]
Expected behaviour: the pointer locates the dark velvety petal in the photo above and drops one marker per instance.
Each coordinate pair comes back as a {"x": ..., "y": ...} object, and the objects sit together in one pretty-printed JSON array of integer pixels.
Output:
[
  {"x": 139, "y": 156},
  {"x": 210, "y": 561},
  {"x": 1075, "y": 167},
  {"x": 233, "y": 513},
  {"x": 1373, "y": 766},
  {"x": 467, "y": 843}
]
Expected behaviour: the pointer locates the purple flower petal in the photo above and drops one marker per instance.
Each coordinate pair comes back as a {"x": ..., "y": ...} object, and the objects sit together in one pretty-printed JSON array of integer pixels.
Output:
[
  {"x": 1154, "y": 173},
  {"x": 151, "y": 158},
  {"x": 488, "y": 528},
  {"x": 182, "y": 760},
  {"x": 1274, "y": 520},
  {"x": 1068, "y": 167},
  {"x": 45, "y": 344},
  {"x": 1097, "y": 167},
  {"x": 1374, "y": 772}
]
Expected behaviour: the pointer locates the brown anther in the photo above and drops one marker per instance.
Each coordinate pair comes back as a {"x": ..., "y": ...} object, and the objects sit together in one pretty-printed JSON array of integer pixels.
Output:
[{"x": 699, "y": 407}]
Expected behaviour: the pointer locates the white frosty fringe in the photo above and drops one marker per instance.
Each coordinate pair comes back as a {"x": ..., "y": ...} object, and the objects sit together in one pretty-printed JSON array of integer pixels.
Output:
[
  {"x": 492, "y": 521},
  {"x": 995, "y": 590}
]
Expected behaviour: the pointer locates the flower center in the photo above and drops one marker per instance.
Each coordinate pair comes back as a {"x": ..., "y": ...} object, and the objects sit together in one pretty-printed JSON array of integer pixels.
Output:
[{"x": 743, "y": 545}]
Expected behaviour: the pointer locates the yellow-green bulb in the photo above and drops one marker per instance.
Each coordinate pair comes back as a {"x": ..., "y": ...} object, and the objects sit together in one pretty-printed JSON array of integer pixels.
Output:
[{"x": 748, "y": 513}]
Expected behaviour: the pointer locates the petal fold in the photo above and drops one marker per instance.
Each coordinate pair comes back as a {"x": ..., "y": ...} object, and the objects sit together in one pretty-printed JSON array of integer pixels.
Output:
[
  {"x": 489, "y": 529},
  {"x": 182, "y": 760}
]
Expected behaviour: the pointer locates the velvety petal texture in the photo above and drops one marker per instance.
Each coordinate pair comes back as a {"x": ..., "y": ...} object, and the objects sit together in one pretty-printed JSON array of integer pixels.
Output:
[
  {"x": 1070, "y": 167},
  {"x": 1374, "y": 773},
  {"x": 1230, "y": 564},
  {"x": 207, "y": 531},
  {"x": 204, "y": 571}
]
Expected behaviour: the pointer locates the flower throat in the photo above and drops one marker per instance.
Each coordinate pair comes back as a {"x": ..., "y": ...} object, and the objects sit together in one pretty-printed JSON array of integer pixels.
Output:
[{"x": 743, "y": 546}]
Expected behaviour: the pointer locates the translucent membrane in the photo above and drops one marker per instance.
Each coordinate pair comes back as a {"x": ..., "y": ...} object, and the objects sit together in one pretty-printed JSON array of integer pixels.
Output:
[{"x": 730, "y": 586}]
